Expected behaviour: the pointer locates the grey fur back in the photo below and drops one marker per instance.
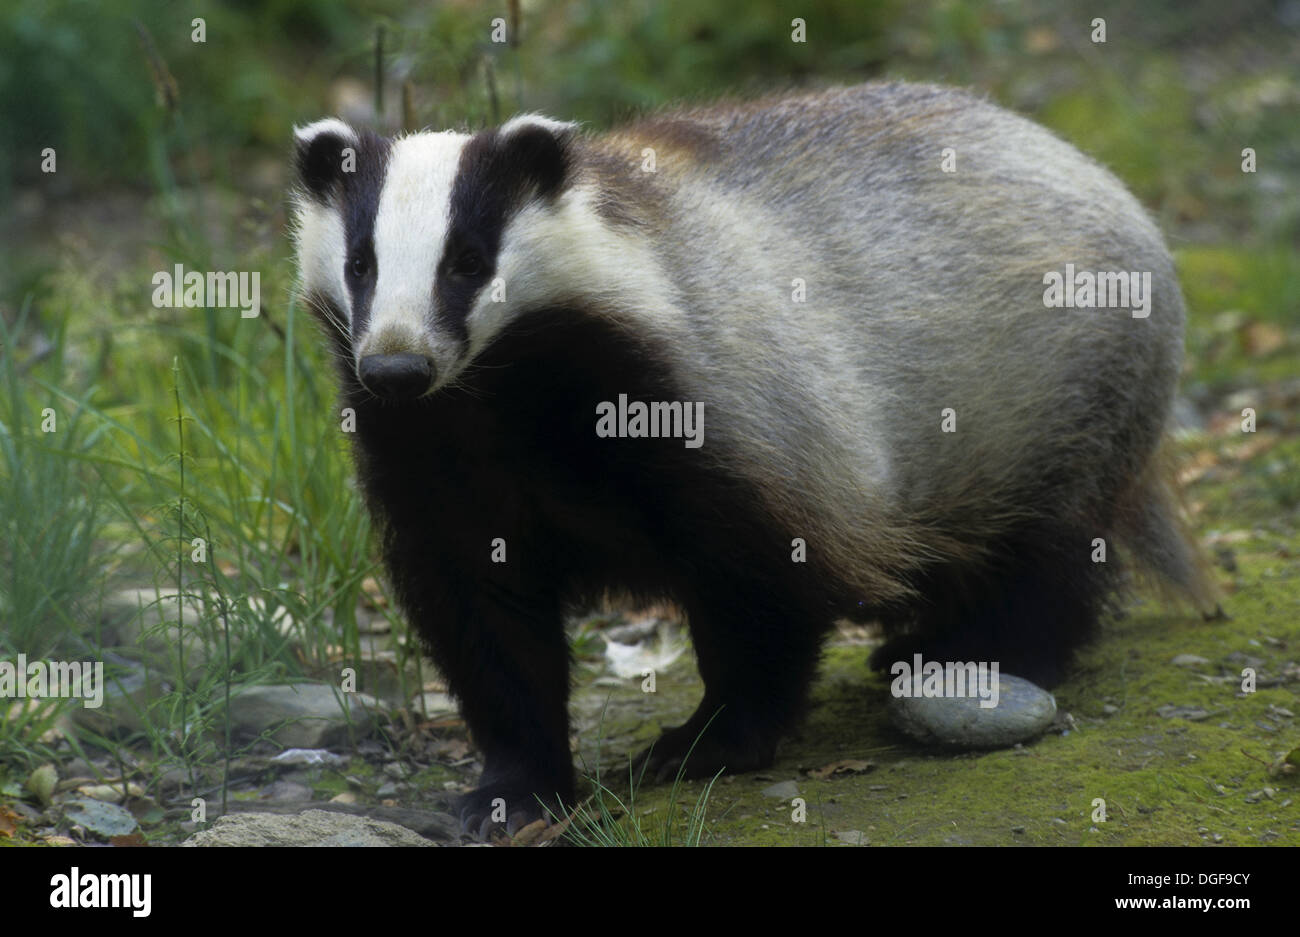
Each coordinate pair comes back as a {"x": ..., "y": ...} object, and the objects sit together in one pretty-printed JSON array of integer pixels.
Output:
[{"x": 924, "y": 292}]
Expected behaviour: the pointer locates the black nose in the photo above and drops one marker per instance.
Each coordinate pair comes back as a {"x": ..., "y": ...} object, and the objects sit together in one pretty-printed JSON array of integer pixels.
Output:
[{"x": 396, "y": 377}]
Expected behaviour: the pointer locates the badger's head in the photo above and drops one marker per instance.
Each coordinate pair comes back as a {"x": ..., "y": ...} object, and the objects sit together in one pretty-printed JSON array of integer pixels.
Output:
[{"x": 418, "y": 251}]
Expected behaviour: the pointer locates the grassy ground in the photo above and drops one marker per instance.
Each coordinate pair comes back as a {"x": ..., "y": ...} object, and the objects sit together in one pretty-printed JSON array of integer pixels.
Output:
[{"x": 115, "y": 495}]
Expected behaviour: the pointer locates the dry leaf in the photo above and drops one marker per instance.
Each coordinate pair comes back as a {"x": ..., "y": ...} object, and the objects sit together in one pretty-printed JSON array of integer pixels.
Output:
[
  {"x": 1262, "y": 443},
  {"x": 1260, "y": 338},
  {"x": 8, "y": 822},
  {"x": 373, "y": 593},
  {"x": 1040, "y": 40},
  {"x": 529, "y": 834},
  {"x": 451, "y": 749},
  {"x": 1287, "y": 765},
  {"x": 841, "y": 768}
]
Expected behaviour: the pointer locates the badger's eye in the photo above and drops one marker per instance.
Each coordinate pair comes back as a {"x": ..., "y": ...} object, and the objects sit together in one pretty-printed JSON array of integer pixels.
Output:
[
  {"x": 468, "y": 263},
  {"x": 359, "y": 266}
]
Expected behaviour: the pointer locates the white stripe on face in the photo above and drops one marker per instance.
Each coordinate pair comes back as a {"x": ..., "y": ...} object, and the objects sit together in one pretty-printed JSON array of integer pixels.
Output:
[{"x": 410, "y": 228}]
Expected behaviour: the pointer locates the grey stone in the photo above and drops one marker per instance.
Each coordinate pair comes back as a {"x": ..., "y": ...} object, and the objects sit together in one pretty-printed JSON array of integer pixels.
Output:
[
  {"x": 783, "y": 790},
  {"x": 1190, "y": 713},
  {"x": 432, "y": 703},
  {"x": 129, "y": 688},
  {"x": 385, "y": 674},
  {"x": 309, "y": 756},
  {"x": 287, "y": 790},
  {"x": 1188, "y": 660},
  {"x": 101, "y": 818},
  {"x": 143, "y": 621},
  {"x": 309, "y": 828},
  {"x": 302, "y": 715},
  {"x": 1185, "y": 419},
  {"x": 1023, "y": 712}
]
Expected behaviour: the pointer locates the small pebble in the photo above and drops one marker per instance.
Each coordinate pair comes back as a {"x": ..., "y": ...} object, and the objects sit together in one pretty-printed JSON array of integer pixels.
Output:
[
  {"x": 782, "y": 791},
  {"x": 1190, "y": 713}
]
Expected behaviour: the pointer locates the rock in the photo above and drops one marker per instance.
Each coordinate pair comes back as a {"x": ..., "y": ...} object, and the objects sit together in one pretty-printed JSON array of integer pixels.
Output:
[
  {"x": 852, "y": 837},
  {"x": 309, "y": 828},
  {"x": 143, "y": 622},
  {"x": 286, "y": 790},
  {"x": 103, "y": 819},
  {"x": 1023, "y": 712},
  {"x": 40, "y": 783},
  {"x": 432, "y": 704},
  {"x": 302, "y": 715},
  {"x": 1190, "y": 713},
  {"x": 633, "y": 632},
  {"x": 656, "y": 652},
  {"x": 111, "y": 793},
  {"x": 32, "y": 815},
  {"x": 309, "y": 756},
  {"x": 129, "y": 688},
  {"x": 1188, "y": 660},
  {"x": 783, "y": 790},
  {"x": 79, "y": 767},
  {"x": 384, "y": 673},
  {"x": 1185, "y": 418}
]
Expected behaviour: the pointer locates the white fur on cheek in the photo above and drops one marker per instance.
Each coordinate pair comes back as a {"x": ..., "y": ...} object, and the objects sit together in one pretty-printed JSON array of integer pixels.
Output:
[
  {"x": 322, "y": 249},
  {"x": 559, "y": 252},
  {"x": 410, "y": 227}
]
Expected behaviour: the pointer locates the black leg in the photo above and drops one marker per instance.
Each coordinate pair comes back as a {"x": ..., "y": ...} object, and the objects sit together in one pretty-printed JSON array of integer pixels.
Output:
[
  {"x": 511, "y": 675},
  {"x": 757, "y": 656},
  {"x": 1029, "y": 608},
  {"x": 496, "y": 632}
]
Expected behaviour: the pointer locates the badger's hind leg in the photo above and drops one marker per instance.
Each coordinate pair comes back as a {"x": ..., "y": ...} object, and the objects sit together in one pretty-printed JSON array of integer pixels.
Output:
[{"x": 1036, "y": 598}]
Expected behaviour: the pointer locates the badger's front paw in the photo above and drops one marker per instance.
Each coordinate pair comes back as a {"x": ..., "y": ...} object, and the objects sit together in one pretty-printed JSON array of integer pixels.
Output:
[
  {"x": 506, "y": 808},
  {"x": 724, "y": 746}
]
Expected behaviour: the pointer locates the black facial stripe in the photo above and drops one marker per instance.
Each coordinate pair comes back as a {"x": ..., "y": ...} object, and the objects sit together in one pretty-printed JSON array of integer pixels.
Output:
[
  {"x": 359, "y": 205},
  {"x": 496, "y": 177}
]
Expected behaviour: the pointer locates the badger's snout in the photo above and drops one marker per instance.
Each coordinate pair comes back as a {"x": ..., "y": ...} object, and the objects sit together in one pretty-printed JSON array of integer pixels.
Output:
[{"x": 401, "y": 376}]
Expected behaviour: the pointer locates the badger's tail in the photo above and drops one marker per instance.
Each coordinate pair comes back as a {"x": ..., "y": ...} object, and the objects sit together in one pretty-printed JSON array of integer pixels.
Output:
[{"x": 1153, "y": 527}]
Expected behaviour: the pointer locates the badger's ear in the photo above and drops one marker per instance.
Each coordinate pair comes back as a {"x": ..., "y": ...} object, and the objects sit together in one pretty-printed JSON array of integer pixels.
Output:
[
  {"x": 541, "y": 149},
  {"x": 322, "y": 152}
]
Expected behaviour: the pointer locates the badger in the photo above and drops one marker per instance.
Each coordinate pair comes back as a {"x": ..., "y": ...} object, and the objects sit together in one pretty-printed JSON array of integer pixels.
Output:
[{"x": 897, "y": 423}]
